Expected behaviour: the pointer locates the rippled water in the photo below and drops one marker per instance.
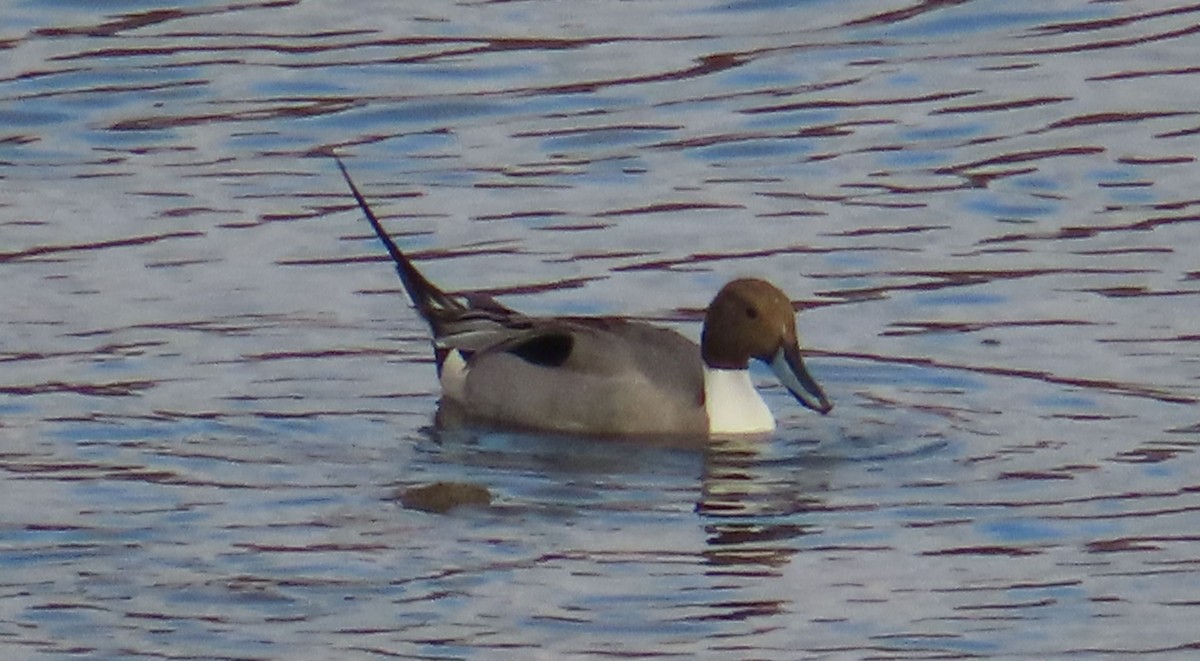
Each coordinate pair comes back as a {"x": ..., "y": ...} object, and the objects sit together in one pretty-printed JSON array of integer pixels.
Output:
[{"x": 213, "y": 389}]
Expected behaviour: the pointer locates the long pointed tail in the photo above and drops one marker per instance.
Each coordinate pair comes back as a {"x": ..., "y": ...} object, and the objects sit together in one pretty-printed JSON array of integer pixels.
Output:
[{"x": 431, "y": 302}]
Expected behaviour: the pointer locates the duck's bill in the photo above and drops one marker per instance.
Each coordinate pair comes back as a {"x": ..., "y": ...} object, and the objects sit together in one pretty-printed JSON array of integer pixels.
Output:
[{"x": 789, "y": 367}]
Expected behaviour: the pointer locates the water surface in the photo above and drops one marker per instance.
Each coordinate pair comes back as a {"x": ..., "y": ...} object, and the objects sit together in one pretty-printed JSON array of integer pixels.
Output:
[{"x": 213, "y": 388}]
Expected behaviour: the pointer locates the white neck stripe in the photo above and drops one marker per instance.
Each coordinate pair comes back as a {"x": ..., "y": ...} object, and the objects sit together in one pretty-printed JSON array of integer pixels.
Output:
[{"x": 733, "y": 405}]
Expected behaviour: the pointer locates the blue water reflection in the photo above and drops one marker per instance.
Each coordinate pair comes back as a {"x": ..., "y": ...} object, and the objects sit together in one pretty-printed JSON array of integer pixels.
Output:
[
  {"x": 770, "y": 5},
  {"x": 959, "y": 298},
  {"x": 980, "y": 17},
  {"x": 993, "y": 207},
  {"x": 30, "y": 117},
  {"x": 1021, "y": 531},
  {"x": 416, "y": 113}
]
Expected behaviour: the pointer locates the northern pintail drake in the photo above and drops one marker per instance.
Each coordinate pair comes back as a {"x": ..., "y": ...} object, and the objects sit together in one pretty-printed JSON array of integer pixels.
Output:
[{"x": 609, "y": 376}]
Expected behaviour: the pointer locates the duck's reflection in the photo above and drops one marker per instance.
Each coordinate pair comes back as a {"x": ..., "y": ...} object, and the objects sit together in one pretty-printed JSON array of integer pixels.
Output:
[
  {"x": 754, "y": 498},
  {"x": 752, "y": 504}
]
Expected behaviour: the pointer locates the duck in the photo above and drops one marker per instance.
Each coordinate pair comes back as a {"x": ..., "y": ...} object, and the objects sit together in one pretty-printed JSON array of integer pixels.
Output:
[{"x": 607, "y": 376}]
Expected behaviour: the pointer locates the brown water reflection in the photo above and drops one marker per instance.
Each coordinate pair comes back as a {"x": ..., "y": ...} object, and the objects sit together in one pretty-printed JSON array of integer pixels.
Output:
[{"x": 212, "y": 387}]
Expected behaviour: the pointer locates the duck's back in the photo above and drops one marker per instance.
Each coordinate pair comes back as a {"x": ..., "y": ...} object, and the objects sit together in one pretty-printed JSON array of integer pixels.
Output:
[{"x": 596, "y": 376}]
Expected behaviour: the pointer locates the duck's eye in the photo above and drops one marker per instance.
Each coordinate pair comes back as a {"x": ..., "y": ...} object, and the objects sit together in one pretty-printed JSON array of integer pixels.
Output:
[{"x": 751, "y": 313}]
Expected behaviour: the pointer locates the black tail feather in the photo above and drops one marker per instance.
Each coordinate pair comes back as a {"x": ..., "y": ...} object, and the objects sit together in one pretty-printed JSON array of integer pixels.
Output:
[{"x": 424, "y": 294}]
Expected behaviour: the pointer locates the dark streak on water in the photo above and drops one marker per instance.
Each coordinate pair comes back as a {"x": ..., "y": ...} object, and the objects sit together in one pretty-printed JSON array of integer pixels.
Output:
[{"x": 212, "y": 391}]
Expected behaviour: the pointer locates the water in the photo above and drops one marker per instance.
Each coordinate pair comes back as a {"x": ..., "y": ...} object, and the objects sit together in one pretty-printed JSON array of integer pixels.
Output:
[{"x": 213, "y": 389}]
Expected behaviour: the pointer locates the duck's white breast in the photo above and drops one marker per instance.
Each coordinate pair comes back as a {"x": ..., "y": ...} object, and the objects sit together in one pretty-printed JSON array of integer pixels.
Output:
[{"x": 733, "y": 405}]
